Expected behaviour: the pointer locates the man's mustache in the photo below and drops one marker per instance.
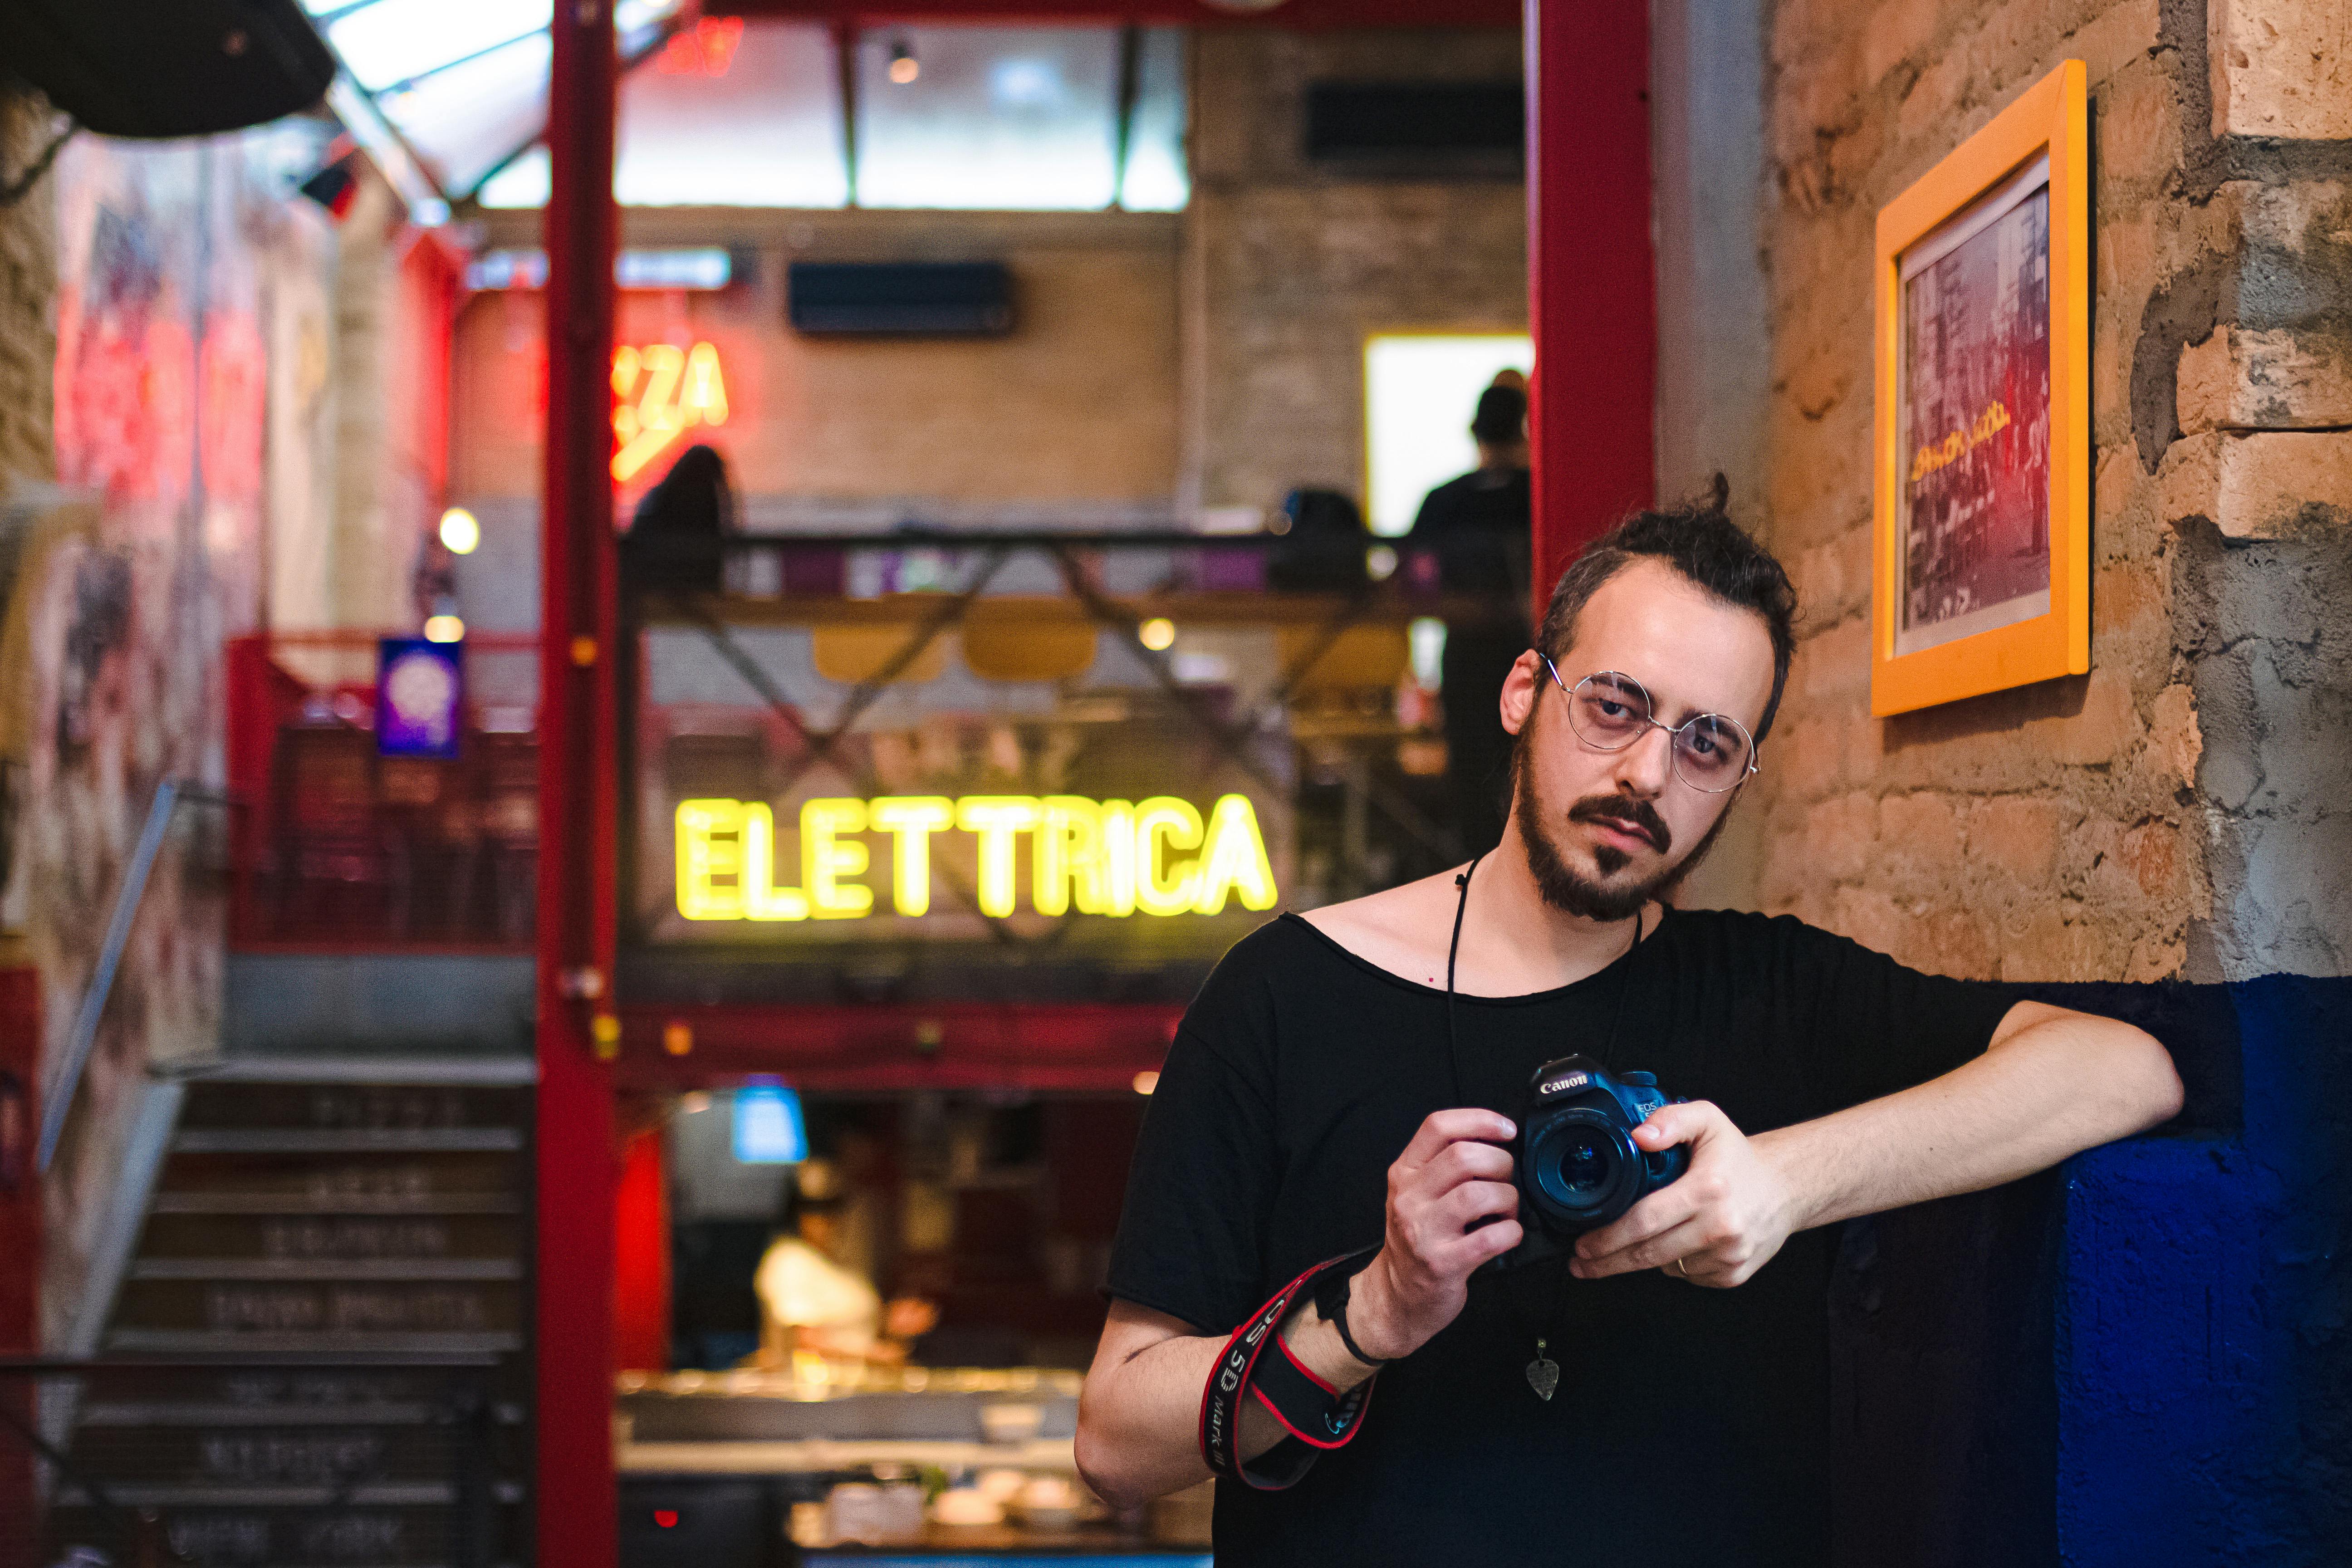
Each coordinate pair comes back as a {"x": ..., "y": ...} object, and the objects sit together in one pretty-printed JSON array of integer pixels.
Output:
[{"x": 1626, "y": 811}]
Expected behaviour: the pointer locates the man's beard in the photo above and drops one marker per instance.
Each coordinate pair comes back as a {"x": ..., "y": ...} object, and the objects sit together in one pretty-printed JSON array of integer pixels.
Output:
[{"x": 1565, "y": 888}]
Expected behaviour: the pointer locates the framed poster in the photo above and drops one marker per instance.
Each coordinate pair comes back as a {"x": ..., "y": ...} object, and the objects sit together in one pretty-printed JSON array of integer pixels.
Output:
[{"x": 1980, "y": 560}]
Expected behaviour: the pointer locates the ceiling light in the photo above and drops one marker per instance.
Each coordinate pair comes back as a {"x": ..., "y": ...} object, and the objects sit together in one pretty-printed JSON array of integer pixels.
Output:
[
  {"x": 1157, "y": 634},
  {"x": 460, "y": 532},
  {"x": 904, "y": 66}
]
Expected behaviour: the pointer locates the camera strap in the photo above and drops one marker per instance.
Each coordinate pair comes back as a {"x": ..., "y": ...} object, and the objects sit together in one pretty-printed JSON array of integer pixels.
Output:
[{"x": 1317, "y": 1417}]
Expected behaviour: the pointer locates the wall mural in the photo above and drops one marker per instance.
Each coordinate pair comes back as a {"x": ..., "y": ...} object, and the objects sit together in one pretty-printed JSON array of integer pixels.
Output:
[{"x": 172, "y": 263}]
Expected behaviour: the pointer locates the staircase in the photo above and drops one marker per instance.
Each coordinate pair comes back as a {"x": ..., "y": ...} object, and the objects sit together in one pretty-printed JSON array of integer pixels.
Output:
[{"x": 327, "y": 1308}]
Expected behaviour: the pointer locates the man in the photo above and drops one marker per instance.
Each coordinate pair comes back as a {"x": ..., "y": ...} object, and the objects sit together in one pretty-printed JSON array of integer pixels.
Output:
[
  {"x": 1309, "y": 1106},
  {"x": 1476, "y": 526},
  {"x": 813, "y": 1297}
]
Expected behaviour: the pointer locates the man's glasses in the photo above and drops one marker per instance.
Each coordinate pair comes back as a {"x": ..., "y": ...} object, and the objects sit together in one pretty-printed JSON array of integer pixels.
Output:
[{"x": 1610, "y": 711}]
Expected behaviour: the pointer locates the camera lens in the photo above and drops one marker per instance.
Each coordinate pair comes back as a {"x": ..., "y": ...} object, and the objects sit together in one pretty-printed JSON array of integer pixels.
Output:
[
  {"x": 1583, "y": 1165},
  {"x": 1582, "y": 1170}
]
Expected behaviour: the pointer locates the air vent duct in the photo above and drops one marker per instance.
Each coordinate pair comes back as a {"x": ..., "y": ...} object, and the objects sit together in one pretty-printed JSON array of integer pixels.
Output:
[
  {"x": 1418, "y": 128},
  {"x": 900, "y": 298}
]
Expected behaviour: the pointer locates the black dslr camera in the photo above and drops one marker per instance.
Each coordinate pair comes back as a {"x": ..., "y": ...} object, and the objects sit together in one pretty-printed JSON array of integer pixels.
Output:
[{"x": 1578, "y": 1167}]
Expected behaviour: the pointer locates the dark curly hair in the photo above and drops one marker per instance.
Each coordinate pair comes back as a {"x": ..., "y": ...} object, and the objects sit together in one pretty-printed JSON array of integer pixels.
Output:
[{"x": 1702, "y": 543}]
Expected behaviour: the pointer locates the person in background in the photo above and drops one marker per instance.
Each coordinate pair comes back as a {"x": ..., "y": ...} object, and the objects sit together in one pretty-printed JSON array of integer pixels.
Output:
[
  {"x": 811, "y": 1300},
  {"x": 675, "y": 538},
  {"x": 1477, "y": 528}
]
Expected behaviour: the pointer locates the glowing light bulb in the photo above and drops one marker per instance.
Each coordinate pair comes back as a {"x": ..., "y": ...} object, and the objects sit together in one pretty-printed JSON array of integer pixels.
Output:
[
  {"x": 1146, "y": 1081},
  {"x": 460, "y": 532},
  {"x": 1157, "y": 634},
  {"x": 904, "y": 66},
  {"x": 444, "y": 629}
]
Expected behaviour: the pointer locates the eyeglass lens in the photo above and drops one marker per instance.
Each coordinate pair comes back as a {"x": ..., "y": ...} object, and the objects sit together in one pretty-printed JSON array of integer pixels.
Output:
[{"x": 1611, "y": 711}]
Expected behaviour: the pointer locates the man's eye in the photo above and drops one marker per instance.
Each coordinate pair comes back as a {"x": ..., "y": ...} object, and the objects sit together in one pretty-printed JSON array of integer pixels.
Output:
[
  {"x": 1610, "y": 709},
  {"x": 1703, "y": 744}
]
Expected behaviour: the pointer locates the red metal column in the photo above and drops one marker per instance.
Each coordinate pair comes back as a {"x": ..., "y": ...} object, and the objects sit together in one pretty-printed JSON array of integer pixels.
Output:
[
  {"x": 1592, "y": 281},
  {"x": 577, "y": 1506}
]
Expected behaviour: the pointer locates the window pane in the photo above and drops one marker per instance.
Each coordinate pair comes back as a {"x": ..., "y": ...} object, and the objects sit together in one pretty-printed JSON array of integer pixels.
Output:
[
  {"x": 1156, "y": 179},
  {"x": 464, "y": 120},
  {"x": 393, "y": 40},
  {"x": 994, "y": 117},
  {"x": 752, "y": 120},
  {"x": 522, "y": 184},
  {"x": 1419, "y": 394}
]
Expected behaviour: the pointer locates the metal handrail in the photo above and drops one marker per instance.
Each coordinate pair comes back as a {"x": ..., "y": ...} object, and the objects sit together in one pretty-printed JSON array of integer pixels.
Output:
[{"x": 57, "y": 1095}]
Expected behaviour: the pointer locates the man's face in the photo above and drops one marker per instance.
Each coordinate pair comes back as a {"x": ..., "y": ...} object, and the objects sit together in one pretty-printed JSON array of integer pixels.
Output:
[{"x": 1605, "y": 831}]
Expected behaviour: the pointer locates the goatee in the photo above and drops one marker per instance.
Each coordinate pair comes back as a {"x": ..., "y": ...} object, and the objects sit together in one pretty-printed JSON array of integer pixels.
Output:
[{"x": 1565, "y": 888}]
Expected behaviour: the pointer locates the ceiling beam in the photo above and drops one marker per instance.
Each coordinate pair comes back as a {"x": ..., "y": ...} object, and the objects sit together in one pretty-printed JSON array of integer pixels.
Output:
[{"x": 1302, "y": 16}]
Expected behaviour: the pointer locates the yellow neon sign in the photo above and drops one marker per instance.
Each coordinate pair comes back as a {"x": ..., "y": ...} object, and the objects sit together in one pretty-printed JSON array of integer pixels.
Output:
[
  {"x": 659, "y": 392},
  {"x": 1099, "y": 857}
]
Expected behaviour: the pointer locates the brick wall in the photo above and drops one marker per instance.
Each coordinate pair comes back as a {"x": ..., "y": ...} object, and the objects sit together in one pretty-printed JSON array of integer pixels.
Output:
[
  {"x": 2168, "y": 812},
  {"x": 1291, "y": 266},
  {"x": 28, "y": 281},
  {"x": 1075, "y": 405}
]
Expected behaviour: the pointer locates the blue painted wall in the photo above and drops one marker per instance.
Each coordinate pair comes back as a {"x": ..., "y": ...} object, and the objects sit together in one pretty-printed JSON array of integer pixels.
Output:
[
  {"x": 2144, "y": 1358},
  {"x": 2204, "y": 1325}
]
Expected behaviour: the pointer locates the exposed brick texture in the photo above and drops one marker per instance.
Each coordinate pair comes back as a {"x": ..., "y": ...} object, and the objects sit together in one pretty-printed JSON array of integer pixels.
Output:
[
  {"x": 28, "y": 343},
  {"x": 2275, "y": 380},
  {"x": 1077, "y": 403},
  {"x": 2271, "y": 484},
  {"x": 1293, "y": 266},
  {"x": 2281, "y": 68},
  {"x": 1991, "y": 837},
  {"x": 2168, "y": 813}
]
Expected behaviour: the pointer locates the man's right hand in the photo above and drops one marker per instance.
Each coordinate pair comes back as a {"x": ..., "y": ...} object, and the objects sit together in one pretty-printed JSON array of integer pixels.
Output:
[{"x": 1451, "y": 1177}]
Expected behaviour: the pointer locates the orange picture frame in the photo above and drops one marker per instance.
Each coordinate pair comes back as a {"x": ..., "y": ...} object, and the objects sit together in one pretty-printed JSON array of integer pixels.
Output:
[{"x": 1941, "y": 511}]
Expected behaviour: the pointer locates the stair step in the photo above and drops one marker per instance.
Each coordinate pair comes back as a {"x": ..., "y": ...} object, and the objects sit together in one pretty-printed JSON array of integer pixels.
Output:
[
  {"x": 380, "y": 1494},
  {"x": 379, "y": 1268},
  {"x": 345, "y": 1141},
  {"x": 196, "y": 1342},
  {"x": 204, "y": 1416},
  {"x": 221, "y": 1203}
]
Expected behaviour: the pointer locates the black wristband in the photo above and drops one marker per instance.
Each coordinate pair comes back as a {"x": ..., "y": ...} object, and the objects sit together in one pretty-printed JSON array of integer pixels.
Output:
[{"x": 1331, "y": 1301}]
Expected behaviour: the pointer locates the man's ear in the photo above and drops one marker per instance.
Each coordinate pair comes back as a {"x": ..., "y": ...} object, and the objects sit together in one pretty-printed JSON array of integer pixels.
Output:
[{"x": 1520, "y": 690}]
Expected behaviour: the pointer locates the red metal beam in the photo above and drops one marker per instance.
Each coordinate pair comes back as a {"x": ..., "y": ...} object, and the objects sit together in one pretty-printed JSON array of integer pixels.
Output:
[
  {"x": 1297, "y": 16},
  {"x": 1592, "y": 285},
  {"x": 1046, "y": 1048},
  {"x": 577, "y": 1503}
]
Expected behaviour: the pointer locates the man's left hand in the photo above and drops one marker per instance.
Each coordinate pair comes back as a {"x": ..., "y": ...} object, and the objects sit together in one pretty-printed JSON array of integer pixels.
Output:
[{"x": 1716, "y": 1224}]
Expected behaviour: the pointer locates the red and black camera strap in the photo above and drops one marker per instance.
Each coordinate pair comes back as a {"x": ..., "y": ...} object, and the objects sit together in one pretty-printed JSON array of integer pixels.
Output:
[{"x": 1256, "y": 1366}]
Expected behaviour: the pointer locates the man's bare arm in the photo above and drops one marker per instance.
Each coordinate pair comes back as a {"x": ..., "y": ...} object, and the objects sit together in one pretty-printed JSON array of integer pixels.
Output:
[
  {"x": 2052, "y": 1083},
  {"x": 1138, "y": 1417}
]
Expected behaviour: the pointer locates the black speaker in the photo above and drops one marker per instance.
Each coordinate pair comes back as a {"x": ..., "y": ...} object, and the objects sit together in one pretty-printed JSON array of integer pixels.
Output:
[
  {"x": 167, "y": 68},
  {"x": 904, "y": 297}
]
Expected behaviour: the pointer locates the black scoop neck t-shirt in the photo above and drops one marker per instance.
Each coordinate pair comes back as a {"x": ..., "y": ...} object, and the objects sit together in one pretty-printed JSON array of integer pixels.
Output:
[{"x": 1691, "y": 1426}]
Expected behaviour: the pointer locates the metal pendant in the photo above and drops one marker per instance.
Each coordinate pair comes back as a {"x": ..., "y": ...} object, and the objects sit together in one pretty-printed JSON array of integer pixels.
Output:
[{"x": 1543, "y": 1374}]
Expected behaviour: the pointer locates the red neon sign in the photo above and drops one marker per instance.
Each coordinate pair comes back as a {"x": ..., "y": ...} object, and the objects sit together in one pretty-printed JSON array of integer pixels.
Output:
[{"x": 659, "y": 392}]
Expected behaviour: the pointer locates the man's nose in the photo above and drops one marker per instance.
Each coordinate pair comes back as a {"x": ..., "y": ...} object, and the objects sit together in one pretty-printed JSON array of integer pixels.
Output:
[{"x": 1643, "y": 767}]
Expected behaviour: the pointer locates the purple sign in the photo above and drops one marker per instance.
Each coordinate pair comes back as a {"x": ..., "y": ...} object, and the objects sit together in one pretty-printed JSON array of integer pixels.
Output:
[{"x": 420, "y": 698}]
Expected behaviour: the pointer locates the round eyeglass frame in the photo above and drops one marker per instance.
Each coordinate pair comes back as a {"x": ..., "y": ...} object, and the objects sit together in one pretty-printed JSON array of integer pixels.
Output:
[{"x": 1650, "y": 718}]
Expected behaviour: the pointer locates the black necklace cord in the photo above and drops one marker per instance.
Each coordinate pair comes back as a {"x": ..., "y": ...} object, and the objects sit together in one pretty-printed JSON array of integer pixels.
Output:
[
  {"x": 1452, "y": 951},
  {"x": 1453, "y": 1065}
]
